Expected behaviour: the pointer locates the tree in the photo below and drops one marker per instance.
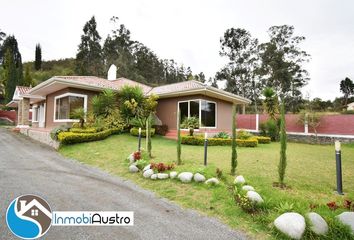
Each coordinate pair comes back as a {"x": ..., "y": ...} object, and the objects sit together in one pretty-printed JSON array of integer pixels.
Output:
[
  {"x": 2, "y": 36},
  {"x": 347, "y": 88},
  {"x": 12, "y": 66},
  {"x": 283, "y": 140},
  {"x": 271, "y": 104},
  {"x": 240, "y": 48},
  {"x": 190, "y": 123},
  {"x": 79, "y": 113},
  {"x": 179, "y": 138},
  {"x": 38, "y": 57},
  {"x": 233, "y": 142},
  {"x": 89, "y": 60},
  {"x": 148, "y": 135},
  {"x": 27, "y": 79},
  {"x": 281, "y": 63}
]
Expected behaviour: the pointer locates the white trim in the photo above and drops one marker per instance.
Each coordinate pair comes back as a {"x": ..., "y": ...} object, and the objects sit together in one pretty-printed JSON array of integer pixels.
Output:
[
  {"x": 200, "y": 112},
  {"x": 69, "y": 94},
  {"x": 34, "y": 113}
]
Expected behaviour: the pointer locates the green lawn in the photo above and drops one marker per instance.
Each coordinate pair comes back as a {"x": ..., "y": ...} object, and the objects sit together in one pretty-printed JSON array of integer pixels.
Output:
[{"x": 310, "y": 176}]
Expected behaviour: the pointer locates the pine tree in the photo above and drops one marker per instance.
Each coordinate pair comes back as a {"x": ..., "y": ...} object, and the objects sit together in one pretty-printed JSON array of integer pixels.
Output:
[
  {"x": 283, "y": 139},
  {"x": 38, "y": 57},
  {"x": 179, "y": 139},
  {"x": 233, "y": 143},
  {"x": 89, "y": 60},
  {"x": 27, "y": 79}
]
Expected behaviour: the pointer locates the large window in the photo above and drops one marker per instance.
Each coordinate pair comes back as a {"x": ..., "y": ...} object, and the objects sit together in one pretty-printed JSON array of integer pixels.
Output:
[
  {"x": 65, "y": 105},
  {"x": 204, "y": 110}
]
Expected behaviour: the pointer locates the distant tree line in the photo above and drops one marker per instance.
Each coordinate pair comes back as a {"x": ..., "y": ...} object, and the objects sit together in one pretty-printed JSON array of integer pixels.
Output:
[{"x": 133, "y": 59}]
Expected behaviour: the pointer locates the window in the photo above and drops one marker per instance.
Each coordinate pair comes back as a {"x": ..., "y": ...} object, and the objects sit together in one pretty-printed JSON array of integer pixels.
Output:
[
  {"x": 204, "y": 110},
  {"x": 65, "y": 105},
  {"x": 34, "y": 212},
  {"x": 35, "y": 114}
]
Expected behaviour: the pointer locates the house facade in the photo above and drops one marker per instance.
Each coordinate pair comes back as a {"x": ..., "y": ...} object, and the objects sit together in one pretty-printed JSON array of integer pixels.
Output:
[{"x": 53, "y": 100}]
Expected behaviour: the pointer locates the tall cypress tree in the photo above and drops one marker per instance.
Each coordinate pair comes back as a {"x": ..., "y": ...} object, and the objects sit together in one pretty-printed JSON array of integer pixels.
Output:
[
  {"x": 89, "y": 60},
  {"x": 283, "y": 139},
  {"x": 12, "y": 64},
  {"x": 38, "y": 57},
  {"x": 233, "y": 142}
]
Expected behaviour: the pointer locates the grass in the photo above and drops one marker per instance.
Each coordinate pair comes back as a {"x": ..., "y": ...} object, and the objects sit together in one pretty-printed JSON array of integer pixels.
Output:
[{"x": 310, "y": 178}]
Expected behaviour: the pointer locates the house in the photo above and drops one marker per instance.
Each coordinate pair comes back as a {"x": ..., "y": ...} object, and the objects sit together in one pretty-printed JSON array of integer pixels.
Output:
[
  {"x": 350, "y": 107},
  {"x": 53, "y": 100}
]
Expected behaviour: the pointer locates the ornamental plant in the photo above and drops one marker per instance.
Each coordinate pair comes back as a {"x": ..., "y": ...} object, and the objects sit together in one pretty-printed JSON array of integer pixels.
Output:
[
  {"x": 283, "y": 140},
  {"x": 233, "y": 142},
  {"x": 179, "y": 139},
  {"x": 190, "y": 123},
  {"x": 161, "y": 167}
]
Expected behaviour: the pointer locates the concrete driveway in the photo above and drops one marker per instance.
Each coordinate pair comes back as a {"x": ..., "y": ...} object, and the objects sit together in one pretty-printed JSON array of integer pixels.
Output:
[{"x": 28, "y": 167}]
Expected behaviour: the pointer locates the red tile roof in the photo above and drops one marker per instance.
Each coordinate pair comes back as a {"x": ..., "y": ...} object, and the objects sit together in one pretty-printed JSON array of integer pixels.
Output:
[
  {"x": 177, "y": 87},
  {"x": 22, "y": 89}
]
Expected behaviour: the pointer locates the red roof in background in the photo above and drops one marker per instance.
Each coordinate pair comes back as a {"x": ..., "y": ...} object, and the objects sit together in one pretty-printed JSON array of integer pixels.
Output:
[{"x": 22, "y": 89}]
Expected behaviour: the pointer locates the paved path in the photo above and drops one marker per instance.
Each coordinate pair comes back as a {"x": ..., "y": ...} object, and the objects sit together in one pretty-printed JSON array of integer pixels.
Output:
[{"x": 27, "y": 167}]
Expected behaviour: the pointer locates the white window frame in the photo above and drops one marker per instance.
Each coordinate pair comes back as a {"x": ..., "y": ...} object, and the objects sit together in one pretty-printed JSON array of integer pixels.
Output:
[
  {"x": 68, "y": 95},
  {"x": 200, "y": 112},
  {"x": 34, "y": 113}
]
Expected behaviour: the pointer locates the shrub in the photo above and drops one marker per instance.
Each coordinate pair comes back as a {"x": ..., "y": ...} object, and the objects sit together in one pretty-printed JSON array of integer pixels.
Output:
[
  {"x": 224, "y": 135},
  {"x": 55, "y": 132},
  {"x": 114, "y": 120},
  {"x": 161, "y": 130},
  {"x": 262, "y": 140},
  {"x": 83, "y": 130},
  {"x": 192, "y": 140},
  {"x": 270, "y": 129},
  {"x": 190, "y": 123},
  {"x": 135, "y": 132},
  {"x": 242, "y": 134},
  {"x": 72, "y": 137},
  {"x": 80, "y": 114},
  {"x": 161, "y": 167},
  {"x": 141, "y": 163},
  {"x": 103, "y": 103}
]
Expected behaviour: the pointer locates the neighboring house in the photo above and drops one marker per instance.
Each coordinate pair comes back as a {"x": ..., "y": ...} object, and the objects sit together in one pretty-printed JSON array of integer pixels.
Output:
[
  {"x": 54, "y": 99},
  {"x": 350, "y": 107}
]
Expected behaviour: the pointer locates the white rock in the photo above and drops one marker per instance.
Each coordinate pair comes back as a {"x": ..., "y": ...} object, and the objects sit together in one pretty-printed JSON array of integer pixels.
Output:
[
  {"x": 254, "y": 197},
  {"x": 148, "y": 173},
  {"x": 239, "y": 180},
  {"x": 317, "y": 224},
  {"x": 248, "y": 188},
  {"x": 199, "y": 177},
  {"x": 212, "y": 181},
  {"x": 153, "y": 176},
  {"x": 133, "y": 169},
  {"x": 173, "y": 175},
  {"x": 162, "y": 175},
  {"x": 147, "y": 167},
  {"x": 291, "y": 224},
  {"x": 185, "y": 177},
  {"x": 131, "y": 158},
  {"x": 347, "y": 218}
]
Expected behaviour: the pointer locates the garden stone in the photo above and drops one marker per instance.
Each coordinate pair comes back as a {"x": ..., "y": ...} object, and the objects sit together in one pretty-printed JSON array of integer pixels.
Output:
[
  {"x": 131, "y": 158},
  {"x": 185, "y": 177},
  {"x": 347, "y": 218},
  {"x": 153, "y": 176},
  {"x": 199, "y": 177},
  {"x": 147, "y": 167},
  {"x": 148, "y": 173},
  {"x": 162, "y": 175},
  {"x": 133, "y": 169},
  {"x": 248, "y": 188},
  {"x": 212, "y": 181},
  {"x": 291, "y": 224},
  {"x": 254, "y": 197},
  {"x": 317, "y": 224},
  {"x": 173, "y": 175},
  {"x": 239, "y": 180}
]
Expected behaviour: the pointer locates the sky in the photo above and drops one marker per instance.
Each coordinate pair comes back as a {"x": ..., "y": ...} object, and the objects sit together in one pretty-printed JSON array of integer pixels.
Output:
[{"x": 189, "y": 30}]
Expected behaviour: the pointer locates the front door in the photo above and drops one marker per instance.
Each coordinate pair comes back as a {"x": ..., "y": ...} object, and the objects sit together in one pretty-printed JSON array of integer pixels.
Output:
[{"x": 41, "y": 115}]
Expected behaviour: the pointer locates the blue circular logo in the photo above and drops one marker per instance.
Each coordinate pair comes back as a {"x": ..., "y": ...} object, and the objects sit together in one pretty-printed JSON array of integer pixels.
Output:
[{"x": 29, "y": 216}]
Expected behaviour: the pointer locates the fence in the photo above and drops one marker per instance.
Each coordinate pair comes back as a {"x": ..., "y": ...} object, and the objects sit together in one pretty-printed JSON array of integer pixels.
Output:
[
  {"x": 329, "y": 124},
  {"x": 12, "y": 115}
]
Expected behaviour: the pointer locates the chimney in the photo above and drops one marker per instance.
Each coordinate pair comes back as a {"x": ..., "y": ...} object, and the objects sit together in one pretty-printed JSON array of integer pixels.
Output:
[
  {"x": 23, "y": 204},
  {"x": 112, "y": 73}
]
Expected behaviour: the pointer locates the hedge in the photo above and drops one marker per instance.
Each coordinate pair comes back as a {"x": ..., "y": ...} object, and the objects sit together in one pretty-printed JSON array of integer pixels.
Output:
[
  {"x": 83, "y": 130},
  {"x": 263, "y": 140},
  {"x": 73, "y": 137},
  {"x": 191, "y": 140},
  {"x": 135, "y": 132}
]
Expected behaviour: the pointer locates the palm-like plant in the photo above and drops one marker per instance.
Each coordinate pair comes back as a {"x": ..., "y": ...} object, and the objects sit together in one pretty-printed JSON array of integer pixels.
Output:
[
  {"x": 190, "y": 123},
  {"x": 271, "y": 103},
  {"x": 79, "y": 113}
]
